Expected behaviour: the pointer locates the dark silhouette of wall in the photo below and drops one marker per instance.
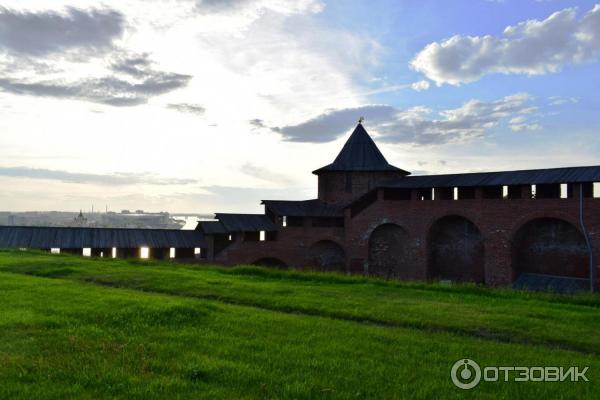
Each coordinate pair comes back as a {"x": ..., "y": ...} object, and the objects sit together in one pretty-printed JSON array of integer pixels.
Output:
[
  {"x": 455, "y": 250},
  {"x": 550, "y": 246},
  {"x": 388, "y": 252},
  {"x": 326, "y": 255}
]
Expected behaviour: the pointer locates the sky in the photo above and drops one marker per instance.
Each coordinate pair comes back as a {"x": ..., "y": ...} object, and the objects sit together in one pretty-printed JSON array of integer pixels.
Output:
[{"x": 208, "y": 106}]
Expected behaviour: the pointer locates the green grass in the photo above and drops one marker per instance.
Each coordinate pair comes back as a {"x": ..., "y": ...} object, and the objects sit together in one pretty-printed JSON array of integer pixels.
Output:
[{"x": 74, "y": 327}]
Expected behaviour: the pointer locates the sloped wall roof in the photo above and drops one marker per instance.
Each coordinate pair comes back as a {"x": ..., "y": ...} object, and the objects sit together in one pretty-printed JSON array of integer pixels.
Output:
[{"x": 77, "y": 238}]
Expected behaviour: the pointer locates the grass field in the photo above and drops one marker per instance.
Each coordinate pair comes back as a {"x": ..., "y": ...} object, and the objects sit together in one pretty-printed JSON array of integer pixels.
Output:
[{"x": 75, "y": 327}]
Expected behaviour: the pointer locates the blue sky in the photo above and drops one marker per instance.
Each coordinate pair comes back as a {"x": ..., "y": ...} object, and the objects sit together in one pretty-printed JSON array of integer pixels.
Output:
[
  {"x": 405, "y": 27},
  {"x": 206, "y": 105}
]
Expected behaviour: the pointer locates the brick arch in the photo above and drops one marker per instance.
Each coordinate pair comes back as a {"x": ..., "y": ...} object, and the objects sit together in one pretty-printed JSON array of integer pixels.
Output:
[
  {"x": 271, "y": 262},
  {"x": 455, "y": 250},
  {"x": 327, "y": 255},
  {"x": 378, "y": 222},
  {"x": 389, "y": 252},
  {"x": 435, "y": 217},
  {"x": 522, "y": 219},
  {"x": 549, "y": 246}
]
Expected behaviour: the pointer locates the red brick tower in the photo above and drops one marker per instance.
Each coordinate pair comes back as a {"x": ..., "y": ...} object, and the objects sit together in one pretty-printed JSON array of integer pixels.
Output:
[{"x": 358, "y": 168}]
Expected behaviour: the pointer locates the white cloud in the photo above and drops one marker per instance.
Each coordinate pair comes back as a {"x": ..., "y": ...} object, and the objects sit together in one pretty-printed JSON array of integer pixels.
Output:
[
  {"x": 332, "y": 123},
  {"x": 521, "y": 123},
  {"x": 280, "y": 64},
  {"x": 116, "y": 179},
  {"x": 420, "y": 85},
  {"x": 517, "y": 120},
  {"x": 235, "y": 16},
  {"x": 418, "y": 125},
  {"x": 249, "y": 59},
  {"x": 276, "y": 61},
  {"x": 287, "y": 68},
  {"x": 559, "y": 100},
  {"x": 50, "y": 31},
  {"x": 127, "y": 82},
  {"x": 77, "y": 54},
  {"x": 266, "y": 175},
  {"x": 525, "y": 127},
  {"x": 531, "y": 47},
  {"x": 255, "y": 7},
  {"x": 187, "y": 108}
]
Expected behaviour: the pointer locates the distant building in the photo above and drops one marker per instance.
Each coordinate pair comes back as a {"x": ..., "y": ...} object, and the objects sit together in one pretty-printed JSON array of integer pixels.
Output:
[{"x": 80, "y": 220}]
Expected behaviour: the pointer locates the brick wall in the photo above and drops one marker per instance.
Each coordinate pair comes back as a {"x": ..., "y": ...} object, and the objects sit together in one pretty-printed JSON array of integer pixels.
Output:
[
  {"x": 497, "y": 221},
  {"x": 342, "y": 187}
]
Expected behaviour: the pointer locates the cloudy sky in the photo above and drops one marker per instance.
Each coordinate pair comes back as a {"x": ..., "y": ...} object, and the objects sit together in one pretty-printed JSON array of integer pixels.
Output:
[{"x": 212, "y": 105}]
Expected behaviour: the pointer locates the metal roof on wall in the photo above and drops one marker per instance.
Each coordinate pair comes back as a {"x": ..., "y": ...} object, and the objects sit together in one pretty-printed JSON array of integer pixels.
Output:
[
  {"x": 303, "y": 208},
  {"x": 246, "y": 222},
  {"x": 500, "y": 178},
  {"x": 77, "y": 238},
  {"x": 212, "y": 227}
]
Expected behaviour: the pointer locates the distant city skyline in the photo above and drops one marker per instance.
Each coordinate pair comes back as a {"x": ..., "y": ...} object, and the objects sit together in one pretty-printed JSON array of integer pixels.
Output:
[{"x": 203, "y": 105}]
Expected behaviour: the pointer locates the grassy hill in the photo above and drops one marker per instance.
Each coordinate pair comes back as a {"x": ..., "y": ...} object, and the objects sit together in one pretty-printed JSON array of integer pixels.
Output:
[{"x": 74, "y": 327}]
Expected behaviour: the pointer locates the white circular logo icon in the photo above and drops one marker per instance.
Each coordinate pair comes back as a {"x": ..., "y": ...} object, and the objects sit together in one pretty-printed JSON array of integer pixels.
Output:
[{"x": 465, "y": 374}]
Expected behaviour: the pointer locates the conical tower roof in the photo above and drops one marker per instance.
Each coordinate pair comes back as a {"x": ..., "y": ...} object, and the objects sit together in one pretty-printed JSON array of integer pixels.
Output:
[{"x": 360, "y": 153}]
